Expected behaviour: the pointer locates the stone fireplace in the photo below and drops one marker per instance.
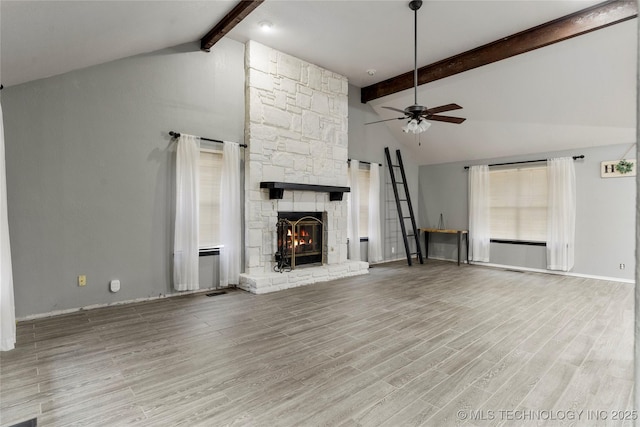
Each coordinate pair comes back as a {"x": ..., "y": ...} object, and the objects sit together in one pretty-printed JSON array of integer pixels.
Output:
[{"x": 296, "y": 132}]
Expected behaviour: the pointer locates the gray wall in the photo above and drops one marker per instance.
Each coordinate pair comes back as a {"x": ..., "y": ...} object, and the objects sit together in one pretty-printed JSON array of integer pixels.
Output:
[
  {"x": 605, "y": 222},
  {"x": 90, "y": 171},
  {"x": 367, "y": 142}
]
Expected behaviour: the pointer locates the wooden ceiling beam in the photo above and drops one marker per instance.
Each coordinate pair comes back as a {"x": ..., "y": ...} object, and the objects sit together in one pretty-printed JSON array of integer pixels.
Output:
[
  {"x": 233, "y": 18},
  {"x": 584, "y": 21}
]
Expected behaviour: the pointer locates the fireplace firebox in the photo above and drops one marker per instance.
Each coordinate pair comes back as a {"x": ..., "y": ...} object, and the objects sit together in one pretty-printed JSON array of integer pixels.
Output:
[{"x": 299, "y": 239}]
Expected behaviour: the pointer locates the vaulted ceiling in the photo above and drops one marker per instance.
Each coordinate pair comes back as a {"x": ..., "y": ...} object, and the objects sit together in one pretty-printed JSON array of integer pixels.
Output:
[{"x": 577, "y": 93}]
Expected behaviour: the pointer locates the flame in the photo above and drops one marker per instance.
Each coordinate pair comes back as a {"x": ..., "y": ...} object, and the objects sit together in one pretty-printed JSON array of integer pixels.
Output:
[{"x": 298, "y": 237}]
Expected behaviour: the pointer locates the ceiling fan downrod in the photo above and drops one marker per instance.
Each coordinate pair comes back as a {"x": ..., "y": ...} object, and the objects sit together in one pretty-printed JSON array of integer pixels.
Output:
[
  {"x": 415, "y": 5},
  {"x": 420, "y": 116}
]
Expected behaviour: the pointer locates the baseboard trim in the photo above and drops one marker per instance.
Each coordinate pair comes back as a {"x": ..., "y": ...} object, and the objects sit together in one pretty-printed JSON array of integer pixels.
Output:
[
  {"x": 384, "y": 261},
  {"x": 540, "y": 270},
  {"x": 462, "y": 261},
  {"x": 171, "y": 295},
  {"x": 558, "y": 273},
  {"x": 109, "y": 304}
]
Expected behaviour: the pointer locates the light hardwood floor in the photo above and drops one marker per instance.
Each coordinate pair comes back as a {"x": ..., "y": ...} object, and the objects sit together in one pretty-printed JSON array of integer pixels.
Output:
[{"x": 400, "y": 346}]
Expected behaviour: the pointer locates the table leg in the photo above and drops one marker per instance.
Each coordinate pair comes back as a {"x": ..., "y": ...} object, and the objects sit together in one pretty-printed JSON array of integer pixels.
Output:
[
  {"x": 467, "y": 238},
  {"x": 459, "y": 244},
  {"x": 426, "y": 244}
]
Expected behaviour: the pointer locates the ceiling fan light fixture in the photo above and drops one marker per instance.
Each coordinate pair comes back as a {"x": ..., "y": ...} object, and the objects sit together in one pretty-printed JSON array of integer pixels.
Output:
[
  {"x": 416, "y": 126},
  {"x": 411, "y": 126},
  {"x": 424, "y": 125}
]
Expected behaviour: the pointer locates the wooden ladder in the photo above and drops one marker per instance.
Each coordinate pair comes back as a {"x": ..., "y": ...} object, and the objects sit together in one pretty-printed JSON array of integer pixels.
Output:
[{"x": 399, "y": 202}]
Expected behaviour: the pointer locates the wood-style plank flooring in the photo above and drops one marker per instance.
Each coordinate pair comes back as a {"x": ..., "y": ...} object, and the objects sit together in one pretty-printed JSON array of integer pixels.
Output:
[{"x": 432, "y": 345}]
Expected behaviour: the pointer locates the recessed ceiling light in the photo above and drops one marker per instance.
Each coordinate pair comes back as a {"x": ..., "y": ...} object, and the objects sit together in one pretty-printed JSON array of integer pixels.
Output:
[
  {"x": 265, "y": 25},
  {"x": 371, "y": 71}
]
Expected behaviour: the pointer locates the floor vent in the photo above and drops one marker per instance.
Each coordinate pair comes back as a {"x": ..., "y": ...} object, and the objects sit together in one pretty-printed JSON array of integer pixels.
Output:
[{"x": 216, "y": 293}]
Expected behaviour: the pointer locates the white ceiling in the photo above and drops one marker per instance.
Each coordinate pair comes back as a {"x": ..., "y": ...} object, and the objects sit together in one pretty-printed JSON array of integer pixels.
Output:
[
  {"x": 44, "y": 38},
  {"x": 577, "y": 93}
]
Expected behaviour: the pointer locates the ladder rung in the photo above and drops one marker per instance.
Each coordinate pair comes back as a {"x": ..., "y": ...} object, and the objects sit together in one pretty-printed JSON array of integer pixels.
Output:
[
  {"x": 395, "y": 166},
  {"x": 402, "y": 200},
  {"x": 399, "y": 182},
  {"x": 406, "y": 217},
  {"x": 410, "y": 235}
]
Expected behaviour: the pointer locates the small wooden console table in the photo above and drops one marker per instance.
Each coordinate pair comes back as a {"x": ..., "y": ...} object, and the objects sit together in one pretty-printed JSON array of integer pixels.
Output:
[{"x": 460, "y": 233}]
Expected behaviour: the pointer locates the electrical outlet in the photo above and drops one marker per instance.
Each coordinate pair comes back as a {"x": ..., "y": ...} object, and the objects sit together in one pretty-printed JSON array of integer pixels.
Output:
[
  {"x": 393, "y": 250},
  {"x": 622, "y": 266},
  {"x": 82, "y": 280}
]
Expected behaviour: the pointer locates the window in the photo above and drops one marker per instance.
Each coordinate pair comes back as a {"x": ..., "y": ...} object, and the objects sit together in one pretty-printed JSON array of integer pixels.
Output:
[
  {"x": 519, "y": 204},
  {"x": 210, "y": 174},
  {"x": 363, "y": 201},
  {"x": 363, "y": 188}
]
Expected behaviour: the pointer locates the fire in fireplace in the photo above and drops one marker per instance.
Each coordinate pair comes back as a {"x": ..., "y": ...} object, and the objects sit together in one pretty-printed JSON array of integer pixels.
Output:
[{"x": 300, "y": 239}]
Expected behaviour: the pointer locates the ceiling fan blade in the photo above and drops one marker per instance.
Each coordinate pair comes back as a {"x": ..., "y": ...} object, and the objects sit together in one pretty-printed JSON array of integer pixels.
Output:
[
  {"x": 448, "y": 119},
  {"x": 386, "y": 120},
  {"x": 395, "y": 109},
  {"x": 443, "y": 108}
]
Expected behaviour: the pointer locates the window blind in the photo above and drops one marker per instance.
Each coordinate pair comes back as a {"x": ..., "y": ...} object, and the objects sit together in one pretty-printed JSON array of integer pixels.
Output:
[
  {"x": 363, "y": 182},
  {"x": 210, "y": 174},
  {"x": 519, "y": 203}
]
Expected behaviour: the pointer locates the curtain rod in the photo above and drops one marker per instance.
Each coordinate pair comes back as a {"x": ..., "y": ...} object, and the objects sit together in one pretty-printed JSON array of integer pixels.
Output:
[
  {"x": 366, "y": 163},
  {"x": 177, "y": 135},
  {"x": 581, "y": 156}
]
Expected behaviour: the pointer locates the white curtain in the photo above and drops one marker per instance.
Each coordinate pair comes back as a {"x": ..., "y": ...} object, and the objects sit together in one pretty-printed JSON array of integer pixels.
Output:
[
  {"x": 353, "y": 222},
  {"x": 561, "y": 214},
  {"x": 375, "y": 235},
  {"x": 230, "y": 216},
  {"x": 479, "y": 210},
  {"x": 185, "y": 252},
  {"x": 7, "y": 307}
]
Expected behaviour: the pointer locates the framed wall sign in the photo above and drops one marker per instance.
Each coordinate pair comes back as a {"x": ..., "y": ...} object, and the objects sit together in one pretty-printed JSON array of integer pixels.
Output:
[{"x": 618, "y": 168}]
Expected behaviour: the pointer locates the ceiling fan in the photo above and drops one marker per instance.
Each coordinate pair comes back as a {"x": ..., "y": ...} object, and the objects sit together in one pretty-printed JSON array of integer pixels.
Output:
[{"x": 418, "y": 114}]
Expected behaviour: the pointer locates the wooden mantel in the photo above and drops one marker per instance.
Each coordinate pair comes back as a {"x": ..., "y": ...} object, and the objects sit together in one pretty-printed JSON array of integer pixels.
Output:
[{"x": 276, "y": 189}]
